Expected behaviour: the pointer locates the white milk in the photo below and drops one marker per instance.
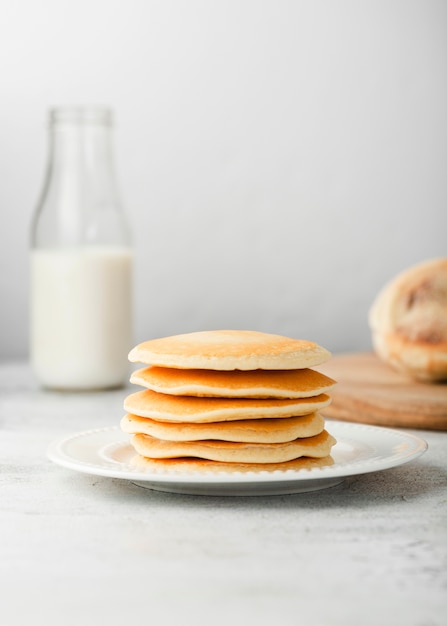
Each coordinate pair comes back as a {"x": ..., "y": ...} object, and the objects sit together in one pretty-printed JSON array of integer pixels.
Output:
[{"x": 81, "y": 316}]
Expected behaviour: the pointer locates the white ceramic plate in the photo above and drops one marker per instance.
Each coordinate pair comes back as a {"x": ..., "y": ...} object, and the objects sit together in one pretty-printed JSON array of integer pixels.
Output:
[{"x": 360, "y": 449}]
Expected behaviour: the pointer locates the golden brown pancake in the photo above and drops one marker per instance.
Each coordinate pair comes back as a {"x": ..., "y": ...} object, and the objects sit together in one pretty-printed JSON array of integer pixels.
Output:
[
  {"x": 408, "y": 320},
  {"x": 168, "y": 408},
  {"x": 230, "y": 452},
  {"x": 260, "y": 431},
  {"x": 228, "y": 401},
  {"x": 229, "y": 350},
  {"x": 194, "y": 465},
  {"x": 301, "y": 383}
]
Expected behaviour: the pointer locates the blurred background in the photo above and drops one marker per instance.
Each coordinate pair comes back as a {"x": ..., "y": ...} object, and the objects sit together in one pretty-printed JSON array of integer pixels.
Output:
[{"x": 279, "y": 160}]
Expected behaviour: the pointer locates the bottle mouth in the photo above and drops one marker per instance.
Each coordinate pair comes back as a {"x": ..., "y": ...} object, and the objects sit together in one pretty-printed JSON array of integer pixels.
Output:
[{"x": 81, "y": 115}]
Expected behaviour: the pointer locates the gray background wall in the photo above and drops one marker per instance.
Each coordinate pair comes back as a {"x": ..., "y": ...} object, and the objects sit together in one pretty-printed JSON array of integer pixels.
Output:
[{"x": 279, "y": 160}]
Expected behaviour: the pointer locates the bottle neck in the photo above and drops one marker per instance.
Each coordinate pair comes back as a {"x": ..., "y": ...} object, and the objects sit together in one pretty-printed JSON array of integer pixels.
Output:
[
  {"x": 80, "y": 203},
  {"x": 81, "y": 152}
]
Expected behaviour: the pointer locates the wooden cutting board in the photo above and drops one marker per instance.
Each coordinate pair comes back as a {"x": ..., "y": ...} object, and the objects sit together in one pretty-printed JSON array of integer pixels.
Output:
[{"x": 370, "y": 392}]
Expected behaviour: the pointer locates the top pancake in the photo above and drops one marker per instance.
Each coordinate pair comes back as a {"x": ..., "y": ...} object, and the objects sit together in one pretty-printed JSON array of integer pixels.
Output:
[
  {"x": 229, "y": 350},
  {"x": 301, "y": 383}
]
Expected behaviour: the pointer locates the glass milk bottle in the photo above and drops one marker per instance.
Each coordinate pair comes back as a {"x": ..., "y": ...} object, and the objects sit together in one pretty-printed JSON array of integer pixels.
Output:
[{"x": 81, "y": 260}]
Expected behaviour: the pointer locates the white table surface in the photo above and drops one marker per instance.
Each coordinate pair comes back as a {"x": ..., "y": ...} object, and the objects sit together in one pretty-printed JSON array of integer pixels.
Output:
[{"x": 82, "y": 549}]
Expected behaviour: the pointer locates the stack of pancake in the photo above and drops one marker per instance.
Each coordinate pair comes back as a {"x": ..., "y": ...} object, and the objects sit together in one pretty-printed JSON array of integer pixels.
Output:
[{"x": 230, "y": 400}]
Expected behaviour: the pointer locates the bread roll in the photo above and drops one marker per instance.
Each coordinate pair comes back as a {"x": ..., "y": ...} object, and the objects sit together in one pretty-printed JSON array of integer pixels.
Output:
[{"x": 408, "y": 321}]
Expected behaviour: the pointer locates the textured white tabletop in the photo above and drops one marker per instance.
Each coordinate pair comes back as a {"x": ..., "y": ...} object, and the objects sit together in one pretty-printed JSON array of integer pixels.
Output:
[{"x": 82, "y": 549}]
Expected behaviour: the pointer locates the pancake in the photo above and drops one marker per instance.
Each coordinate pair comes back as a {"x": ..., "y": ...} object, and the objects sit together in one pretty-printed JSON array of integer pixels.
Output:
[
  {"x": 229, "y": 452},
  {"x": 408, "y": 320},
  {"x": 300, "y": 383},
  {"x": 168, "y": 408},
  {"x": 253, "y": 431},
  {"x": 229, "y": 350},
  {"x": 202, "y": 466}
]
